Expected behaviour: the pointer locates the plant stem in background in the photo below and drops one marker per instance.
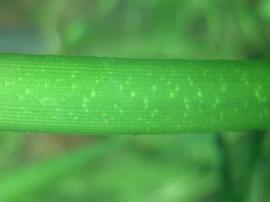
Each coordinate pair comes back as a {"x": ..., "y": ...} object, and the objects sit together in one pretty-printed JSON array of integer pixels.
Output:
[
  {"x": 23, "y": 181},
  {"x": 91, "y": 95}
]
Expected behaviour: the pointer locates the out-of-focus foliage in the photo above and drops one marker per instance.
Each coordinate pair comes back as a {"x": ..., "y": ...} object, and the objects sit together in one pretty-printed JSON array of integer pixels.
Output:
[
  {"x": 190, "y": 167},
  {"x": 175, "y": 28}
]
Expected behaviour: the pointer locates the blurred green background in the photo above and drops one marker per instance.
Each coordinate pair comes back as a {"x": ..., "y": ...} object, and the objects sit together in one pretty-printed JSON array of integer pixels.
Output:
[{"x": 167, "y": 168}]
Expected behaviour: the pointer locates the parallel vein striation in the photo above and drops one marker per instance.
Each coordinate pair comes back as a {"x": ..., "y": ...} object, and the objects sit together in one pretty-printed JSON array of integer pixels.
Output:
[{"x": 91, "y": 95}]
